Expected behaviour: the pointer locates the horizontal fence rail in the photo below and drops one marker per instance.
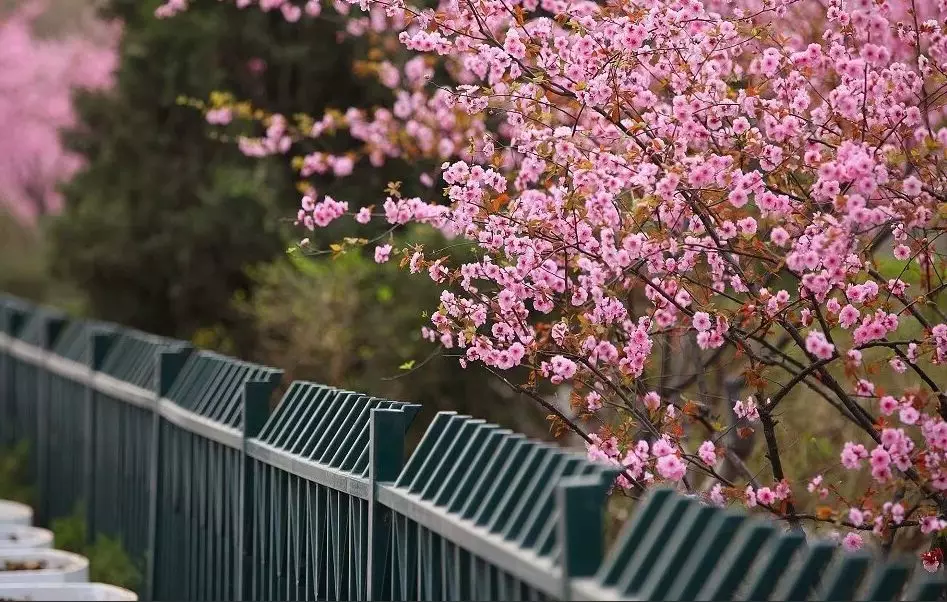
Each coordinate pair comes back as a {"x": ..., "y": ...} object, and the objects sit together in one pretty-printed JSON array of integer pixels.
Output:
[{"x": 175, "y": 451}]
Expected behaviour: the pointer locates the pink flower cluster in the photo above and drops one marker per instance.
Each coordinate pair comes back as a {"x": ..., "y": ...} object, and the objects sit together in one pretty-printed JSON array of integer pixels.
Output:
[
  {"x": 320, "y": 214},
  {"x": 638, "y": 462},
  {"x": 38, "y": 76}
]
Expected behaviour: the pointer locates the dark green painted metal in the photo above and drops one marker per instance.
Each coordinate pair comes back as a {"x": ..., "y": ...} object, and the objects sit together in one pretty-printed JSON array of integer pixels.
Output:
[
  {"x": 926, "y": 586},
  {"x": 842, "y": 578},
  {"x": 887, "y": 582},
  {"x": 719, "y": 534},
  {"x": 23, "y": 420},
  {"x": 706, "y": 553},
  {"x": 170, "y": 364},
  {"x": 580, "y": 513},
  {"x": 503, "y": 489},
  {"x": 667, "y": 522},
  {"x": 255, "y": 402},
  {"x": 309, "y": 540},
  {"x": 202, "y": 489},
  {"x": 99, "y": 344},
  {"x": 733, "y": 567},
  {"x": 62, "y": 474},
  {"x": 15, "y": 425},
  {"x": 51, "y": 327},
  {"x": 632, "y": 536},
  {"x": 802, "y": 578},
  {"x": 762, "y": 579},
  {"x": 673, "y": 554},
  {"x": 386, "y": 455}
]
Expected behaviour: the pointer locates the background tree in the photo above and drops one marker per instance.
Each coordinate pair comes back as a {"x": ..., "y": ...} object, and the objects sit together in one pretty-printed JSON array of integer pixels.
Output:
[{"x": 161, "y": 221}]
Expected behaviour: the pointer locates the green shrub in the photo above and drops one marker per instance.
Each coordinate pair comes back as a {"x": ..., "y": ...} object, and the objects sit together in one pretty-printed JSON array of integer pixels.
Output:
[
  {"x": 109, "y": 563},
  {"x": 14, "y": 473},
  {"x": 352, "y": 323},
  {"x": 24, "y": 265},
  {"x": 108, "y": 560},
  {"x": 69, "y": 532}
]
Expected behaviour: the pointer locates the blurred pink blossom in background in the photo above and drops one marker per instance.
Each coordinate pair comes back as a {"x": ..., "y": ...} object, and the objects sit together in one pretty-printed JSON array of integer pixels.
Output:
[{"x": 37, "y": 78}]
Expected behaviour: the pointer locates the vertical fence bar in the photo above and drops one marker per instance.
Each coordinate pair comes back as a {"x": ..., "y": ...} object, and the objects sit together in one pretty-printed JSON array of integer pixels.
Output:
[
  {"x": 15, "y": 318},
  {"x": 256, "y": 407},
  {"x": 170, "y": 364},
  {"x": 99, "y": 345},
  {"x": 52, "y": 327},
  {"x": 581, "y": 505},
  {"x": 386, "y": 459},
  {"x": 6, "y": 373}
]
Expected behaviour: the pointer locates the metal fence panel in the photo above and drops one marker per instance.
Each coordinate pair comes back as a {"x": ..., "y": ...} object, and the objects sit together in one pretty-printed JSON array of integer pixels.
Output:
[
  {"x": 475, "y": 514},
  {"x": 176, "y": 455},
  {"x": 198, "y": 514},
  {"x": 310, "y": 518}
]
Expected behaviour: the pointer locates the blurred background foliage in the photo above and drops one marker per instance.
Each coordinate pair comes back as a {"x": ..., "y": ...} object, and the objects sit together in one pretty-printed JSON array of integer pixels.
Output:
[{"x": 171, "y": 231}]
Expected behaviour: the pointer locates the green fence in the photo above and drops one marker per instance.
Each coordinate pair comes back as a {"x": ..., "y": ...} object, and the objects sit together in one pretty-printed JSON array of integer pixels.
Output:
[{"x": 175, "y": 452}]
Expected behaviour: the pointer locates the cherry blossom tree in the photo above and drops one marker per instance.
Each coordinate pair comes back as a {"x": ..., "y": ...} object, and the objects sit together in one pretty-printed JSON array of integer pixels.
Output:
[
  {"x": 37, "y": 78},
  {"x": 748, "y": 187}
]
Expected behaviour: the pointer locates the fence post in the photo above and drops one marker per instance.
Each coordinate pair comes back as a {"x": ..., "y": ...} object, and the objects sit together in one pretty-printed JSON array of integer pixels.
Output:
[
  {"x": 52, "y": 327},
  {"x": 15, "y": 318},
  {"x": 386, "y": 459},
  {"x": 169, "y": 367},
  {"x": 99, "y": 345},
  {"x": 256, "y": 409},
  {"x": 581, "y": 504},
  {"x": 6, "y": 371}
]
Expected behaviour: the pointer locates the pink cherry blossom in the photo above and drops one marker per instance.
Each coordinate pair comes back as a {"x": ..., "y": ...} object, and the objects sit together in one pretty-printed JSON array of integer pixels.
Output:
[
  {"x": 364, "y": 215},
  {"x": 852, "y": 542},
  {"x": 853, "y": 454},
  {"x": 747, "y": 409},
  {"x": 662, "y": 447},
  {"x": 765, "y": 496},
  {"x": 888, "y": 405},
  {"x": 593, "y": 401},
  {"x": 856, "y": 516},
  {"x": 707, "y": 453},
  {"x": 749, "y": 496},
  {"x": 819, "y": 346},
  {"x": 930, "y": 524},
  {"x": 652, "y": 400},
  {"x": 382, "y": 253},
  {"x": 908, "y": 414},
  {"x": 716, "y": 496},
  {"x": 701, "y": 321},
  {"x": 671, "y": 467}
]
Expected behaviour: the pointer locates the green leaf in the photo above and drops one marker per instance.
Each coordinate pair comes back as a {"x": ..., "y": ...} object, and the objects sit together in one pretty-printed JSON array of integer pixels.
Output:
[{"x": 407, "y": 365}]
